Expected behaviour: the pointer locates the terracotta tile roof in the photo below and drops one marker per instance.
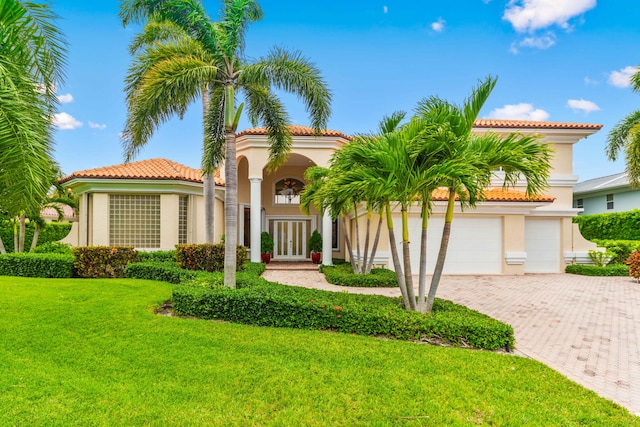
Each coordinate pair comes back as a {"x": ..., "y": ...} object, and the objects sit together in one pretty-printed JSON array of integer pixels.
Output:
[
  {"x": 526, "y": 124},
  {"x": 296, "y": 131},
  {"x": 157, "y": 169},
  {"x": 496, "y": 195}
]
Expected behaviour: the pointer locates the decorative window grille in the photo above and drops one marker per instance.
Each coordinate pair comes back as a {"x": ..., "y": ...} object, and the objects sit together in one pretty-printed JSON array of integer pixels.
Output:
[
  {"x": 183, "y": 215},
  {"x": 288, "y": 191},
  {"x": 609, "y": 201},
  {"x": 134, "y": 220}
]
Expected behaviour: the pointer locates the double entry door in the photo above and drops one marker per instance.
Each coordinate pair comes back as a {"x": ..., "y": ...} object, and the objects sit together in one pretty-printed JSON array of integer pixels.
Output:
[{"x": 290, "y": 239}]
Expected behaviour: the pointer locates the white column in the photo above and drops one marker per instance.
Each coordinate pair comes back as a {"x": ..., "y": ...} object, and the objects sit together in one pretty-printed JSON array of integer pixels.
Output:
[
  {"x": 327, "y": 224},
  {"x": 256, "y": 219}
]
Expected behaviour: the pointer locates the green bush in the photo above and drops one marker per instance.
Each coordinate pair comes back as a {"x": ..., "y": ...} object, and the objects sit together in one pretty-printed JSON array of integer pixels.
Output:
[
  {"x": 102, "y": 261},
  {"x": 621, "y": 248},
  {"x": 264, "y": 303},
  {"x": 170, "y": 272},
  {"x": 53, "y": 248},
  {"x": 618, "y": 225},
  {"x": 206, "y": 257},
  {"x": 592, "y": 270},
  {"x": 51, "y": 232},
  {"x": 36, "y": 265},
  {"x": 157, "y": 256},
  {"x": 343, "y": 275}
]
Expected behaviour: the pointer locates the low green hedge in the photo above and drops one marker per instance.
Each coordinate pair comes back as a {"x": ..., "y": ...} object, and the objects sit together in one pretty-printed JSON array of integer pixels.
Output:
[
  {"x": 621, "y": 248},
  {"x": 343, "y": 275},
  {"x": 53, "y": 248},
  {"x": 36, "y": 265},
  {"x": 265, "y": 303},
  {"x": 207, "y": 257},
  {"x": 157, "y": 256},
  {"x": 102, "y": 261},
  {"x": 592, "y": 270}
]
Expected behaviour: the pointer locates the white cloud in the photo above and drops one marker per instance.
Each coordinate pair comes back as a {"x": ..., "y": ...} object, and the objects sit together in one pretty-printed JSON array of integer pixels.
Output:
[
  {"x": 520, "y": 111},
  {"x": 438, "y": 26},
  {"x": 622, "y": 78},
  {"x": 590, "y": 82},
  {"x": 582, "y": 105},
  {"x": 93, "y": 125},
  {"x": 544, "y": 42},
  {"x": 531, "y": 15},
  {"x": 65, "y": 99},
  {"x": 385, "y": 9},
  {"x": 64, "y": 121}
]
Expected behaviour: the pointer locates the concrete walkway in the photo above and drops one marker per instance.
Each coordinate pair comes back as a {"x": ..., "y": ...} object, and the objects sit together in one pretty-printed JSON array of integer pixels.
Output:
[{"x": 583, "y": 327}]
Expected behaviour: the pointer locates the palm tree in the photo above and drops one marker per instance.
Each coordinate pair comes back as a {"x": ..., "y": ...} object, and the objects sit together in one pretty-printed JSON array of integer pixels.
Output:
[
  {"x": 625, "y": 135},
  {"x": 476, "y": 158},
  {"x": 32, "y": 59},
  {"x": 280, "y": 69}
]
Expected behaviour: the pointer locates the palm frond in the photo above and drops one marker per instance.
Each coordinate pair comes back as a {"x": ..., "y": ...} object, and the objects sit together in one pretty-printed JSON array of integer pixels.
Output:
[{"x": 621, "y": 134}]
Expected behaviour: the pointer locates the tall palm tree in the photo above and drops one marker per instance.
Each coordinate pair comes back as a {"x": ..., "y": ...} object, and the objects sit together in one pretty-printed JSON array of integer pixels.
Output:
[
  {"x": 280, "y": 69},
  {"x": 32, "y": 60},
  {"x": 477, "y": 158},
  {"x": 625, "y": 135}
]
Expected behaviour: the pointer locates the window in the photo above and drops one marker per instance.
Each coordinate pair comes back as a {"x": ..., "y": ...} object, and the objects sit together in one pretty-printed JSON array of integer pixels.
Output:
[
  {"x": 288, "y": 191},
  {"x": 579, "y": 203},
  {"x": 134, "y": 220},
  {"x": 183, "y": 215},
  {"x": 334, "y": 235},
  {"x": 609, "y": 201}
]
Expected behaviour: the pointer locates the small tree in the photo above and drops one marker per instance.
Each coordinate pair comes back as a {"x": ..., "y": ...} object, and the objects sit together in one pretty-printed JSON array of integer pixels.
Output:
[
  {"x": 266, "y": 243},
  {"x": 315, "y": 242}
]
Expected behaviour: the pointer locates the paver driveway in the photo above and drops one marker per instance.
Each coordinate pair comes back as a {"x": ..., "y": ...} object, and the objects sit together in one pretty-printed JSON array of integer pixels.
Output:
[{"x": 583, "y": 327}]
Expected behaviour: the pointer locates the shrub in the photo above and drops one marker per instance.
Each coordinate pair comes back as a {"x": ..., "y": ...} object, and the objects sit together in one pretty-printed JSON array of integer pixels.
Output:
[
  {"x": 618, "y": 225},
  {"x": 206, "y": 257},
  {"x": 272, "y": 304},
  {"x": 600, "y": 259},
  {"x": 102, "y": 261},
  {"x": 53, "y": 248},
  {"x": 36, "y": 265},
  {"x": 266, "y": 243},
  {"x": 170, "y": 272},
  {"x": 634, "y": 265},
  {"x": 593, "y": 270},
  {"x": 50, "y": 232},
  {"x": 343, "y": 275},
  {"x": 315, "y": 242},
  {"x": 157, "y": 256},
  {"x": 620, "y": 248}
]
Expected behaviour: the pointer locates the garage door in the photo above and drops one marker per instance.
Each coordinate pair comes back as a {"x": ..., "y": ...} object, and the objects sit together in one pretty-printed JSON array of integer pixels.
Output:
[
  {"x": 542, "y": 244},
  {"x": 475, "y": 246}
]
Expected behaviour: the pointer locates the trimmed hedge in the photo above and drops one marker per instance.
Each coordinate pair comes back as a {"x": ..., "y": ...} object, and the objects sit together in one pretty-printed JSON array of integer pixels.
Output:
[
  {"x": 53, "y": 248},
  {"x": 51, "y": 232},
  {"x": 264, "y": 303},
  {"x": 343, "y": 275},
  {"x": 621, "y": 248},
  {"x": 592, "y": 270},
  {"x": 207, "y": 257},
  {"x": 157, "y": 256},
  {"x": 102, "y": 261},
  {"x": 616, "y": 226},
  {"x": 36, "y": 265}
]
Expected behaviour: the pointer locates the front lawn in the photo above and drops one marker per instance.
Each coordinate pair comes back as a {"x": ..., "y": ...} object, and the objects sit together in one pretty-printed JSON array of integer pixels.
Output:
[{"x": 91, "y": 352}]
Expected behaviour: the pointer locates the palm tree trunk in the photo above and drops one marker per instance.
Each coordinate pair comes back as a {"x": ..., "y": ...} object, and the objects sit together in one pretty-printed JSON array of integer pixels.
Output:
[
  {"x": 2, "y": 248},
  {"x": 15, "y": 235},
  {"x": 231, "y": 191},
  {"x": 406, "y": 257},
  {"x": 396, "y": 259},
  {"x": 365, "y": 258},
  {"x": 442, "y": 254},
  {"x": 422, "y": 280},
  {"x": 375, "y": 245},
  {"x": 36, "y": 234},
  {"x": 347, "y": 241},
  {"x": 208, "y": 179},
  {"x": 359, "y": 263},
  {"x": 22, "y": 232}
]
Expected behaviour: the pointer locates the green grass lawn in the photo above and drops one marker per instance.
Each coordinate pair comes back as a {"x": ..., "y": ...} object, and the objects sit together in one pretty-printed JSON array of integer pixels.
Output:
[{"x": 91, "y": 352}]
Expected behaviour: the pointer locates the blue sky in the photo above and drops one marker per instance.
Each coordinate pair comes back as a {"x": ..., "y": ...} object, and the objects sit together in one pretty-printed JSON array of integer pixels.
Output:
[{"x": 556, "y": 60}]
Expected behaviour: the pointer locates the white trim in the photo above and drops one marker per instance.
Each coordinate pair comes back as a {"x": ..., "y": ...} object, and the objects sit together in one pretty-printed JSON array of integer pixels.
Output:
[{"x": 515, "y": 258}]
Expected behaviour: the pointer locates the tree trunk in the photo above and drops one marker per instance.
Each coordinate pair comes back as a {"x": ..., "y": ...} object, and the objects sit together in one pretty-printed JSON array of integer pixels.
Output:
[
  {"x": 396, "y": 259},
  {"x": 422, "y": 278},
  {"x": 375, "y": 245},
  {"x": 406, "y": 258},
  {"x": 16, "y": 246},
  {"x": 231, "y": 191},
  {"x": 209, "y": 180},
  {"x": 442, "y": 254},
  {"x": 365, "y": 258},
  {"x": 2, "y": 249},
  {"x": 23, "y": 229},
  {"x": 36, "y": 234},
  {"x": 347, "y": 241},
  {"x": 359, "y": 263}
]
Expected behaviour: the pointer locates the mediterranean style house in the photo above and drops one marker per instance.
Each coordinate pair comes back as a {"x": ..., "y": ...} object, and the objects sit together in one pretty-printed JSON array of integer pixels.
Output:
[
  {"x": 156, "y": 204},
  {"x": 606, "y": 194}
]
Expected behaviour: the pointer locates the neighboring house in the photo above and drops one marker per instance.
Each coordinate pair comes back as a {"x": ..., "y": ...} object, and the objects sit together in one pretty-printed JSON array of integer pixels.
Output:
[
  {"x": 155, "y": 204},
  {"x": 606, "y": 194}
]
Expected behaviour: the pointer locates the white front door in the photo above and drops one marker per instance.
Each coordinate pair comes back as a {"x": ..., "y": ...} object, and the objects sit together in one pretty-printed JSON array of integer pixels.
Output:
[{"x": 290, "y": 239}]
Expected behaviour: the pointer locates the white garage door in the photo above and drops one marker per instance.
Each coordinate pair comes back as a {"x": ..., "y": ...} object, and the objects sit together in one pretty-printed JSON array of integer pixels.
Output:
[
  {"x": 475, "y": 246},
  {"x": 542, "y": 244}
]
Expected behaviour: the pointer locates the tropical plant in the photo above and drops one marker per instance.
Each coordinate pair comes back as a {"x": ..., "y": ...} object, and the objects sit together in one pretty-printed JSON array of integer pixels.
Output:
[
  {"x": 315, "y": 242},
  {"x": 32, "y": 59},
  {"x": 232, "y": 72},
  {"x": 625, "y": 136},
  {"x": 266, "y": 243}
]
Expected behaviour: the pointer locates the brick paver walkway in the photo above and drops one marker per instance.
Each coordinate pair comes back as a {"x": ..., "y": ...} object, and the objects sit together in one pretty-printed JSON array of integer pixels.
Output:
[{"x": 583, "y": 327}]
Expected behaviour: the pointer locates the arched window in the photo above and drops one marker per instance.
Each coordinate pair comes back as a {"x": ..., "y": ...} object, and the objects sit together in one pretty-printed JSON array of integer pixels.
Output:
[{"x": 287, "y": 191}]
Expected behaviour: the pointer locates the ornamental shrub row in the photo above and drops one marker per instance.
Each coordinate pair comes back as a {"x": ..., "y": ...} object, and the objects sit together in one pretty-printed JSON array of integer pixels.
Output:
[
  {"x": 264, "y": 303},
  {"x": 157, "y": 256},
  {"x": 36, "y": 265},
  {"x": 206, "y": 257},
  {"x": 618, "y": 225},
  {"x": 343, "y": 275},
  {"x": 102, "y": 261},
  {"x": 621, "y": 248},
  {"x": 50, "y": 232},
  {"x": 592, "y": 270}
]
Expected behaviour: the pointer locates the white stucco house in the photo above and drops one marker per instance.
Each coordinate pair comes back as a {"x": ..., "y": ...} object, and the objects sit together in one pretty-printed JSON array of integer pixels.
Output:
[
  {"x": 606, "y": 194},
  {"x": 157, "y": 203}
]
